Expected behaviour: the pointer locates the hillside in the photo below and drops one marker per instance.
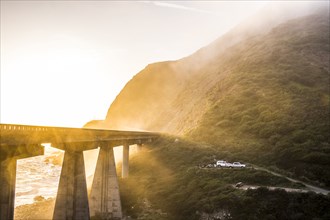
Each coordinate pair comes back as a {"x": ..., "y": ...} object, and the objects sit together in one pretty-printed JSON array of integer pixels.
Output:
[
  {"x": 267, "y": 95},
  {"x": 155, "y": 90},
  {"x": 171, "y": 185},
  {"x": 275, "y": 101}
]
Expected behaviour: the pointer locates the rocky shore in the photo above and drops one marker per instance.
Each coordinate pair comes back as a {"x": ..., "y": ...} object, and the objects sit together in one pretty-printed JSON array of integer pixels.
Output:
[{"x": 41, "y": 209}]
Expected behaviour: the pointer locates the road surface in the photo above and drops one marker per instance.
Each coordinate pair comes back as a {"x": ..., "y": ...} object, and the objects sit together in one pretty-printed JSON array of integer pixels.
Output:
[{"x": 309, "y": 187}]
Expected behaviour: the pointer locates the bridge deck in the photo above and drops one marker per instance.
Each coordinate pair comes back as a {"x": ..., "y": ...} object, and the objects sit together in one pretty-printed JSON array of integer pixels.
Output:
[
  {"x": 12, "y": 134},
  {"x": 21, "y": 141}
]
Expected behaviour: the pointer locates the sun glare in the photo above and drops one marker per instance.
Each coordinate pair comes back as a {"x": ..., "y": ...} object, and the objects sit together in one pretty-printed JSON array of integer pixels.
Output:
[
  {"x": 60, "y": 67},
  {"x": 55, "y": 81}
]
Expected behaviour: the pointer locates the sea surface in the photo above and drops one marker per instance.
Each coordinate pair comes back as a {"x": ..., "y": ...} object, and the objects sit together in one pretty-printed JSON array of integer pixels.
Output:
[{"x": 36, "y": 177}]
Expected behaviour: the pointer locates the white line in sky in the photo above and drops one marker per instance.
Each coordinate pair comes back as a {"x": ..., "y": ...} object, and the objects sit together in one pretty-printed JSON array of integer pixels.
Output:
[{"x": 176, "y": 6}]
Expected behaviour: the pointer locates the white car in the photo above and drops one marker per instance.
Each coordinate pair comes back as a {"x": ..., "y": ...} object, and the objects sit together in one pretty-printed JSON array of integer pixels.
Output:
[
  {"x": 223, "y": 163},
  {"x": 238, "y": 165}
]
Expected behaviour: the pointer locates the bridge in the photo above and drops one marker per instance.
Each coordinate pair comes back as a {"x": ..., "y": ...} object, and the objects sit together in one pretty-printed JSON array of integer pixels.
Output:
[{"x": 72, "y": 202}]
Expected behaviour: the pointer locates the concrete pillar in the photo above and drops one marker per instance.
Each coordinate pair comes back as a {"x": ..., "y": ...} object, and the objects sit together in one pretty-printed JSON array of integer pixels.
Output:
[
  {"x": 72, "y": 199},
  {"x": 9, "y": 154},
  {"x": 7, "y": 187},
  {"x": 105, "y": 197},
  {"x": 125, "y": 166}
]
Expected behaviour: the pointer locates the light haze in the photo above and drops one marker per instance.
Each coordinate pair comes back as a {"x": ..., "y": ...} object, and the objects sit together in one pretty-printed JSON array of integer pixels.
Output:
[{"x": 64, "y": 62}]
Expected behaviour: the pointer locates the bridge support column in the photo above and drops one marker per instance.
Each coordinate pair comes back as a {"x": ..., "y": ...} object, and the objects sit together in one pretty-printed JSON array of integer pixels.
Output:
[
  {"x": 125, "y": 166},
  {"x": 7, "y": 188},
  {"x": 105, "y": 198},
  {"x": 72, "y": 199},
  {"x": 9, "y": 154}
]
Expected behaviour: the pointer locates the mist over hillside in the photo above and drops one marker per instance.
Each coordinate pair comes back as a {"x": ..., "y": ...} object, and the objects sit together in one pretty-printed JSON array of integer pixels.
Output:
[
  {"x": 261, "y": 89},
  {"x": 164, "y": 81}
]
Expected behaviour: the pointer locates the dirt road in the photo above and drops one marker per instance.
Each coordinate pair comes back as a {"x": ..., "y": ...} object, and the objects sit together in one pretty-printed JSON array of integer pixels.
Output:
[{"x": 309, "y": 187}]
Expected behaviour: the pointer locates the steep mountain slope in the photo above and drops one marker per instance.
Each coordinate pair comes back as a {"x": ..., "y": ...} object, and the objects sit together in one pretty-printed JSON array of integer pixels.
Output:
[
  {"x": 171, "y": 186},
  {"x": 167, "y": 80},
  {"x": 264, "y": 96},
  {"x": 274, "y": 103}
]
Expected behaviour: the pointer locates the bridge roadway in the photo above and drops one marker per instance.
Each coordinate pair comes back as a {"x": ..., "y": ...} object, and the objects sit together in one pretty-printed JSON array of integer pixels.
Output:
[{"x": 72, "y": 202}]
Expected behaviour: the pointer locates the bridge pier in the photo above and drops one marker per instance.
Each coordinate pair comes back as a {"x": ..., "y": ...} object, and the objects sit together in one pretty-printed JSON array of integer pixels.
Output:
[
  {"x": 9, "y": 154},
  {"x": 105, "y": 198},
  {"x": 125, "y": 165},
  {"x": 72, "y": 199},
  {"x": 21, "y": 141},
  {"x": 7, "y": 189}
]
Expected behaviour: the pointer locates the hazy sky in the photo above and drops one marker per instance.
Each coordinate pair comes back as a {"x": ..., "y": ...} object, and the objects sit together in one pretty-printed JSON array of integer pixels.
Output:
[{"x": 64, "y": 62}]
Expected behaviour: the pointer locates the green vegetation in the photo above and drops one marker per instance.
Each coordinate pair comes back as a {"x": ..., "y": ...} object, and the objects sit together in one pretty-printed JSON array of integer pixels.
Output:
[
  {"x": 166, "y": 173},
  {"x": 278, "y": 108},
  {"x": 265, "y": 99}
]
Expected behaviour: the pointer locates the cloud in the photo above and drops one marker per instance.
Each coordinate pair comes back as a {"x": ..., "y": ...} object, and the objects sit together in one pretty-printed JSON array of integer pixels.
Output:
[{"x": 177, "y": 6}]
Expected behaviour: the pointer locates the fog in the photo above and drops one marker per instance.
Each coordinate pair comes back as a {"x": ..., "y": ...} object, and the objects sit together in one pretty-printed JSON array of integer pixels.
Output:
[{"x": 160, "y": 90}]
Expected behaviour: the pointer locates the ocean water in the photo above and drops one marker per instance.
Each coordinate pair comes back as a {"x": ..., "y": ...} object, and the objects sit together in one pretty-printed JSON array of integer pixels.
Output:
[{"x": 36, "y": 177}]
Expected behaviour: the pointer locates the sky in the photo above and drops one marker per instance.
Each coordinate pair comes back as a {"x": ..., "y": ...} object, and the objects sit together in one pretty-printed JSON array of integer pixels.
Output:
[{"x": 64, "y": 62}]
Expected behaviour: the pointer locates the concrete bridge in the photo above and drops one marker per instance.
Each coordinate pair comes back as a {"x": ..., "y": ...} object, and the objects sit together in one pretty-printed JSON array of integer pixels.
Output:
[{"x": 72, "y": 202}]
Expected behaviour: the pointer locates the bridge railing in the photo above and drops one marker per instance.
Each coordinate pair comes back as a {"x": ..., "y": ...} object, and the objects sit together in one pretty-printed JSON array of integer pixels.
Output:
[
  {"x": 26, "y": 134},
  {"x": 22, "y": 127}
]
